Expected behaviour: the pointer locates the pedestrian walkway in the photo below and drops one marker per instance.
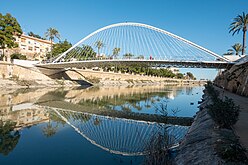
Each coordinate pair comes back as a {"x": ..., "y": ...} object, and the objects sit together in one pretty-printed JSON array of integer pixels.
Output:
[{"x": 241, "y": 127}]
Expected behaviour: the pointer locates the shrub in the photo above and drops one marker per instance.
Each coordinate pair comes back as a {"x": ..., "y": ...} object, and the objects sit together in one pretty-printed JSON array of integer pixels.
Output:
[
  {"x": 18, "y": 56},
  {"x": 224, "y": 113},
  {"x": 211, "y": 91},
  {"x": 229, "y": 149}
]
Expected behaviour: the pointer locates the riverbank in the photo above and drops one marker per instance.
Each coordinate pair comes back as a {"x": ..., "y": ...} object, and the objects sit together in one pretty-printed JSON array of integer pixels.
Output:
[
  {"x": 198, "y": 145},
  {"x": 14, "y": 76},
  {"x": 206, "y": 141}
]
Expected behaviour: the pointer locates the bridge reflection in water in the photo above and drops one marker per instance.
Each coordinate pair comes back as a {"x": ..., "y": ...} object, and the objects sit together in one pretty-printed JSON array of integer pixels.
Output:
[
  {"x": 119, "y": 132},
  {"x": 121, "y": 136}
]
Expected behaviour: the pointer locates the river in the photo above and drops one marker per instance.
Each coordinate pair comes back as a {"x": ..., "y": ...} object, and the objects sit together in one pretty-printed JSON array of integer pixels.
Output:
[{"x": 94, "y": 125}]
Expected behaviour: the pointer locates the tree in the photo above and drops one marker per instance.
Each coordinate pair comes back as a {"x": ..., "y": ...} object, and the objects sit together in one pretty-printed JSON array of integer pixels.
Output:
[
  {"x": 240, "y": 23},
  {"x": 8, "y": 137},
  {"x": 59, "y": 48},
  {"x": 9, "y": 27},
  {"x": 88, "y": 52},
  {"x": 128, "y": 55},
  {"x": 236, "y": 49},
  {"x": 35, "y": 35},
  {"x": 116, "y": 52},
  {"x": 50, "y": 130},
  {"x": 84, "y": 52},
  {"x": 179, "y": 75},
  {"x": 18, "y": 56},
  {"x": 99, "y": 44},
  {"x": 190, "y": 75},
  {"x": 51, "y": 34}
]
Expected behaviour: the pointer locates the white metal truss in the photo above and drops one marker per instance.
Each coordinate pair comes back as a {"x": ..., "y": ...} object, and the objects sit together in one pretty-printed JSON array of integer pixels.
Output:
[{"x": 138, "y": 38}]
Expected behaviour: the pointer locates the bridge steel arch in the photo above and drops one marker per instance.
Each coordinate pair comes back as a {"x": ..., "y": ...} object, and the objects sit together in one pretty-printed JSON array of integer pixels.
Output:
[{"x": 155, "y": 29}]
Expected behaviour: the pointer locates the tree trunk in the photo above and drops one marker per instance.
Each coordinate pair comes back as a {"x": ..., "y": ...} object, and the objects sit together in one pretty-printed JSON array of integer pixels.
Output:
[
  {"x": 51, "y": 48},
  {"x": 244, "y": 39}
]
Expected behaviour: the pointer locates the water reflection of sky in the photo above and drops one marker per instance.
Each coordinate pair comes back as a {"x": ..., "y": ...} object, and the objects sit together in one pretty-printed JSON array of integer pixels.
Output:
[
  {"x": 185, "y": 102},
  {"x": 65, "y": 147},
  {"x": 46, "y": 138}
]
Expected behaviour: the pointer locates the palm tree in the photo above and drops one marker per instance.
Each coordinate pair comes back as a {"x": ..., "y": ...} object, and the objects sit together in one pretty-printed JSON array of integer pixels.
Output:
[
  {"x": 236, "y": 48},
  {"x": 240, "y": 23},
  {"x": 116, "y": 52},
  {"x": 99, "y": 44},
  {"x": 49, "y": 130},
  {"x": 51, "y": 34}
]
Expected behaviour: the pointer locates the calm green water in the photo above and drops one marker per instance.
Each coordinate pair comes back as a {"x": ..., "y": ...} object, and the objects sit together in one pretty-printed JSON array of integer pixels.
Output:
[{"x": 93, "y": 125}]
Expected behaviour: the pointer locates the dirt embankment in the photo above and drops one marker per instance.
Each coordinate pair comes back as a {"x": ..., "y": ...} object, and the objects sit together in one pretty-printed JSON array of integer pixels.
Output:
[
  {"x": 234, "y": 80},
  {"x": 14, "y": 76}
]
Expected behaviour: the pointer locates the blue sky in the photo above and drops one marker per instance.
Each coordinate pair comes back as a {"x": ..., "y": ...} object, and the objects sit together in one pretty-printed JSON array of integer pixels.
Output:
[{"x": 204, "y": 22}]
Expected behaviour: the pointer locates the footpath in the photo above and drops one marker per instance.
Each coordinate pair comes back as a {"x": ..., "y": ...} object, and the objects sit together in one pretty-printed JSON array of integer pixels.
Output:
[{"x": 241, "y": 127}]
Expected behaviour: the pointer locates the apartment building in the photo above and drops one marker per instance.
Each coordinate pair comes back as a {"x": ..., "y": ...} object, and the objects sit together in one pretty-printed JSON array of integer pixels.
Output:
[{"x": 33, "y": 48}]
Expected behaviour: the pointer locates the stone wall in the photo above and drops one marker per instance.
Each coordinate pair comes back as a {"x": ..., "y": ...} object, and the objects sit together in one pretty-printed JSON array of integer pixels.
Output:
[
  {"x": 235, "y": 79},
  {"x": 9, "y": 70}
]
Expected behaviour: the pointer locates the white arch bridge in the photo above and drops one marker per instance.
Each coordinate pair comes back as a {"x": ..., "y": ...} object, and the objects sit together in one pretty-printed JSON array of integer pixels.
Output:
[{"x": 136, "y": 44}]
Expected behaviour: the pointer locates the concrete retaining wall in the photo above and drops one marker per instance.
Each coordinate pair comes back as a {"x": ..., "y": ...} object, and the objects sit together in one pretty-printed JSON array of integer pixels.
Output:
[{"x": 198, "y": 145}]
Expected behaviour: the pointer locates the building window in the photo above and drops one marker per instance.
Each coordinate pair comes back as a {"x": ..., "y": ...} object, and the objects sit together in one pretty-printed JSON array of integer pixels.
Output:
[{"x": 30, "y": 48}]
